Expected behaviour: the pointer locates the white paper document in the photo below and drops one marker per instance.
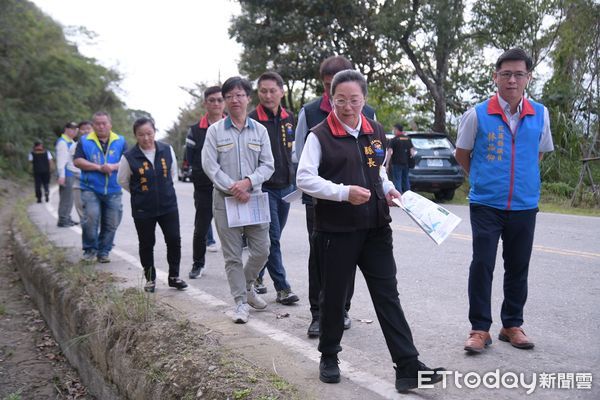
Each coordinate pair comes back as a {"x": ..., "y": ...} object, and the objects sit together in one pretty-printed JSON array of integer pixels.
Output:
[
  {"x": 255, "y": 211},
  {"x": 437, "y": 222},
  {"x": 295, "y": 195}
]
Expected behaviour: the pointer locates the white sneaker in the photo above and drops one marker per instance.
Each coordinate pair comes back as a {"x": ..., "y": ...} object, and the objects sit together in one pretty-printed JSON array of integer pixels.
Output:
[
  {"x": 254, "y": 300},
  {"x": 213, "y": 248},
  {"x": 240, "y": 313}
]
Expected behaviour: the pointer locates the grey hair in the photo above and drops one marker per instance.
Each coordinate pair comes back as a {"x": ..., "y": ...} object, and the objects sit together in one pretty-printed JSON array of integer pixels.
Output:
[{"x": 349, "y": 75}]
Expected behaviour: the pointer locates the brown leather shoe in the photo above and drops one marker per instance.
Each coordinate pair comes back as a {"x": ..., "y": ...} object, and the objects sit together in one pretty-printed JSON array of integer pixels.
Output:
[
  {"x": 478, "y": 341},
  {"x": 516, "y": 336}
]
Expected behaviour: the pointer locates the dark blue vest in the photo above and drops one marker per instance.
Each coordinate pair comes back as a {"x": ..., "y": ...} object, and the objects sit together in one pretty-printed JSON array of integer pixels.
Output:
[{"x": 151, "y": 187}]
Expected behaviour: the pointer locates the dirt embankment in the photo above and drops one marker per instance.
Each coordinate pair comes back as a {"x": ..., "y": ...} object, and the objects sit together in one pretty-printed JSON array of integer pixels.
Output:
[
  {"x": 124, "y": 344},
  {"x": 32, "y": 365}
]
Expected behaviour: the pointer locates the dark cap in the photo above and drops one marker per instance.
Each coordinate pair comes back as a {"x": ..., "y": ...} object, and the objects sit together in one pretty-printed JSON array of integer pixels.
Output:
[{"x": 71, "y": 125}]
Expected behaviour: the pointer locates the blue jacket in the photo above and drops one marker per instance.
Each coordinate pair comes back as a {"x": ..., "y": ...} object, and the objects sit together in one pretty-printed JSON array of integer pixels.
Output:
[
  {"x": 97, "y": 181},
  {"x": 505, "y": 170}
]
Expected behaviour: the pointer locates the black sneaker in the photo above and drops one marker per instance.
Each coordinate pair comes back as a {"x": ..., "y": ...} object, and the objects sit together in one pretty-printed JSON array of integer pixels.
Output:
[
  {"x": 177, "y": 283},
  {"x": 196, "y": 271},
  {"x": 314, "y": 329},
  {"x": 410, "y": 380},
  {"x": 347, "y": 320},
  {"x": 286, "y": 297},
  {"x": 329, "y": 372},
  {"x": 259, "y": 287},
  {"x": 47, "y": 199},
  {"x": 103, "y": 259},
  {"x": 150, "y": 286}
]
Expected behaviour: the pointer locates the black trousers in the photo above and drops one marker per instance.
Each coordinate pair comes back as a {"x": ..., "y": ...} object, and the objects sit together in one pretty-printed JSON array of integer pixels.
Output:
[
  {"x": 372, "y": 251},
  {"x": 41, "y": 179},
  {"x": 314, "y": 275},
  {"x": 516, "y": 229},
  {"x": 203, "y": 204},
  {"x": 146, "y": 227}
]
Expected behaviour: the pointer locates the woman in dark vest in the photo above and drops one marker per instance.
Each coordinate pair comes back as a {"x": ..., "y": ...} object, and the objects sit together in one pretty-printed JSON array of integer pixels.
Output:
[
  {"x": 147, "y": 171},
  {"x": 341, "y": 167}
]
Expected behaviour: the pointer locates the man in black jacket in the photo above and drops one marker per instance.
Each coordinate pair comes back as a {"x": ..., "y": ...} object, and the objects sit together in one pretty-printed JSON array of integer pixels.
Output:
[
  {"x": 280, "y": 124},
  {"x": 203, "y": 187}
]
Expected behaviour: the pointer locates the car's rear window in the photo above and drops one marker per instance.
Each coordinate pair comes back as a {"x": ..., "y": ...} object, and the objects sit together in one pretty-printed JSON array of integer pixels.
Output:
[{"x": 431, "y": 143}]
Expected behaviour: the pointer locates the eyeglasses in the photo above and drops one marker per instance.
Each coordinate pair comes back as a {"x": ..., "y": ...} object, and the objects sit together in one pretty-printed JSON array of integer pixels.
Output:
[
  {"x": 343, "y": 102},
  {"x": 238, "y": 96},
  {"x": 519, "y": 75},
  {"x": 214, "y": 100}
]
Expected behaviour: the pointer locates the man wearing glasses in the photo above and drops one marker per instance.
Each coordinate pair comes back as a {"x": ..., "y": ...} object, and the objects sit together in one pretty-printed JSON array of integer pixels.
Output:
[
  {"x": 203, "y": 187},
  {"x": 280, "y": 124},
  {"x": 500, "y": 143},
  {"x": 237, "y": 158}
]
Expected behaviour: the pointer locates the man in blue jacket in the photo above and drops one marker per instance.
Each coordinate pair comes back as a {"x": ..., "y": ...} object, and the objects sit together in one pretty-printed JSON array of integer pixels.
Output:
[
  {"x": 98, "y": 155},
  {"x": 500, "y": 143}
]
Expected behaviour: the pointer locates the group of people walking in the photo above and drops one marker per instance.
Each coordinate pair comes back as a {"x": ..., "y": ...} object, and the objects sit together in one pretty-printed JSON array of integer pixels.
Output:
[{"x": 340, "y": 151}]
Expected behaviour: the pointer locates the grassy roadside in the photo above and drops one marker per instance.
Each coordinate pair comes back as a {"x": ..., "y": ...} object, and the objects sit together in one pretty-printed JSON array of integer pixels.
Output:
[
  {"x": 550, "y": 203},
  {"x": 169, "y": 354}
]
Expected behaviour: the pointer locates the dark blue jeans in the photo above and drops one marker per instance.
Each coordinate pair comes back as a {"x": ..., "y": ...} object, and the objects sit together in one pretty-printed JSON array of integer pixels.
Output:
[
  {"x": 400, "y": 177},
  {"x": 279, "y": 214},
  {"x": 100, "y": 212},
  {"x": 516, "y": 228}
]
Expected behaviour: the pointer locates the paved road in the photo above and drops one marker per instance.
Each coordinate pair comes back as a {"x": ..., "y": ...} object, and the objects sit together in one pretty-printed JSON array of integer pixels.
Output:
[{"x": 562, "y": 313}]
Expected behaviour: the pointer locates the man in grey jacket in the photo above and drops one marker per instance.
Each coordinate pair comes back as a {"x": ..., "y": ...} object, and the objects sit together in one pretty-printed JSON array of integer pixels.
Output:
[{"x": 237, "y": 158}]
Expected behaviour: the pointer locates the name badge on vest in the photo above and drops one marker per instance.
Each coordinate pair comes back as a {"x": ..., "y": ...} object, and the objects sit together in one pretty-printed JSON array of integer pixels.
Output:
[{"x": 374, "y": 152}]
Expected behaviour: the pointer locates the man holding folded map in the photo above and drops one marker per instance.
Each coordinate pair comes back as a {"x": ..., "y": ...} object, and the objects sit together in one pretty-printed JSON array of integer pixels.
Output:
[{"x": 237, "y": 158}]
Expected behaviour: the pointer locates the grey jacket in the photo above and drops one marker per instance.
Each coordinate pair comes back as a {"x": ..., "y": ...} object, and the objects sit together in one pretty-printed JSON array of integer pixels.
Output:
[{"x": 230, "y": 155}]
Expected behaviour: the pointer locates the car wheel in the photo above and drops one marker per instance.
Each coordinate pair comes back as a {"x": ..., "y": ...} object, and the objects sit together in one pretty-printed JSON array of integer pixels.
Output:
[
  {"x": 448, "y": 194},
  {"x": 439, "y": 196}
]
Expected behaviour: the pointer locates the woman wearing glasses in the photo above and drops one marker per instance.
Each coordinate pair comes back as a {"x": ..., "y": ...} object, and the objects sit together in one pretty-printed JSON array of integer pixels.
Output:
[
  {"x": 147, "y": 172},
  {"x": 341, "y": 167}
]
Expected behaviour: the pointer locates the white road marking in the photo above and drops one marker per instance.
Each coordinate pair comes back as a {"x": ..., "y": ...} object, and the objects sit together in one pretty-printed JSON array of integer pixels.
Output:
[{"x": 366, "y": 380}]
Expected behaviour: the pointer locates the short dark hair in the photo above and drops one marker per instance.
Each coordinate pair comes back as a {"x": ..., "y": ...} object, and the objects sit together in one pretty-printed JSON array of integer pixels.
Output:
[
  {"x": 399, "y": 126},
  {"x": 143, "y": 121},
  {"x": 211, "y": 90},
  {"x": 70, "y": 125},
  {"x": 271, "y": 76},
  {"x": 236, "y": 82},
  {"x": 334, "y": 64},
  {"x": 349, "y": 75},
  {"x": 82, "y": 123},
  {"x": 515, "y": 54},
  {"x": 101, "y": 114}
]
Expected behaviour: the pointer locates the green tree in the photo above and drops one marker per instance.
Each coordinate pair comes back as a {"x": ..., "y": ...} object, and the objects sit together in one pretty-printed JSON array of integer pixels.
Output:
[
  {"x": 293, "y": 37},
  {"x": 573, "y": 96},
  {"x": 45, "y": 82}
]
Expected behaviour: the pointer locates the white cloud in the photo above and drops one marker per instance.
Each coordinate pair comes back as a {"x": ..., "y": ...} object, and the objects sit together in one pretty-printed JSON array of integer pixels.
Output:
[{"x": 156, "y": 46}]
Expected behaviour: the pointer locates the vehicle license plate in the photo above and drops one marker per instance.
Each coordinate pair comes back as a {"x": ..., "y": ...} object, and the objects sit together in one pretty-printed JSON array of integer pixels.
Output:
[{"x": 434, "y": 162}]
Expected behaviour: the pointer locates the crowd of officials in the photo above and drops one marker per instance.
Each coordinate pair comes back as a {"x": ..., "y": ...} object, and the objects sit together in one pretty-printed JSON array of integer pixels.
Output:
[{"x": 336, "y": 153}]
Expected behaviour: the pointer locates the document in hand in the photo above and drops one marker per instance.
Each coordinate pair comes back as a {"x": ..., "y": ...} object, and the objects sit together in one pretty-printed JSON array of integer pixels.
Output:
[
  {"x": 255, "y": 211},
  {"x": 437, "y": 222}
]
